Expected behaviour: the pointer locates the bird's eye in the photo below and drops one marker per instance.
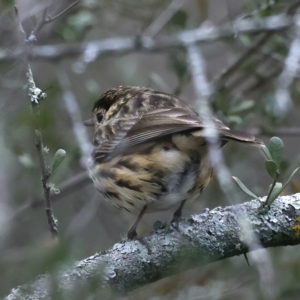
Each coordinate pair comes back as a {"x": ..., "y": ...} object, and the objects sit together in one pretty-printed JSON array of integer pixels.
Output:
[{"x": 99, "y": 117}]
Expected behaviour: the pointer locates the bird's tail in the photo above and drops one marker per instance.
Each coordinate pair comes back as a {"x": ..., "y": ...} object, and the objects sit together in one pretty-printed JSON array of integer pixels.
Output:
[{"x": 239, "y": 136}]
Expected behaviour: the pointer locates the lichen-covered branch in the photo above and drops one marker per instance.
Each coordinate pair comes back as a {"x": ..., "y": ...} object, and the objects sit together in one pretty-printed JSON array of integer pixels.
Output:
[
  {"x": 211, "y": 236},
  {"x": 46, "y": 173}
]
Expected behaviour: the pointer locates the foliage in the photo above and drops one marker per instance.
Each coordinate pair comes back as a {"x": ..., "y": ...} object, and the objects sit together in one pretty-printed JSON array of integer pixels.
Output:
[{"x": 274, "y": 154}]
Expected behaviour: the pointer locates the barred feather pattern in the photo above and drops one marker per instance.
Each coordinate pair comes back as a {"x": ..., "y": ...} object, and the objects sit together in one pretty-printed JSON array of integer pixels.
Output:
[
  {"x": 158, "y": 175},
  {"x": 150, "y": 149}
]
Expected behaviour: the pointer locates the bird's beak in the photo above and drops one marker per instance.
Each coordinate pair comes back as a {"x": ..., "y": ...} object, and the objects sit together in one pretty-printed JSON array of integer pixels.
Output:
[{"x": 89, "y": 123}]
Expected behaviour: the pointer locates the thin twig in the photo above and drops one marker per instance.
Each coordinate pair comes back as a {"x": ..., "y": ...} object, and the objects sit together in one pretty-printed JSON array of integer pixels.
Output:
[
  {"x": 45, "y": 20},
  {"x": 163, "y": 18},
  {"x": 239, "y": 80},
  {"x": 237, "y": 64},
  {"x": 36, "y": 95},
  {"x": 46, "y": 185},
  {"x": 50, "y": 19},
  {"x": 283, "y": 101},
  {"x": 36, "y": 30},
  {"x": 71, "y": 185},
  {"x": 263, "y": 81},
  {"x": 286, "y": 131},
  {"x": 204, "y": 34},
  {"x": 203, "y": 91},
  {"x": 75, "y": 115},
  {"x": 291, "y": 10}
]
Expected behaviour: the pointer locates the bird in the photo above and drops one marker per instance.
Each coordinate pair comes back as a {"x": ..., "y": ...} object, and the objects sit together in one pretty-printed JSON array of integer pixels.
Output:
[{"x": 150, "y": 151}]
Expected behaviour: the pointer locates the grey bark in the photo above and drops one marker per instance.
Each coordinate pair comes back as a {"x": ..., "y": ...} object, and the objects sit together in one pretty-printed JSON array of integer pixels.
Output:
[{"x": 208, "y": 237}]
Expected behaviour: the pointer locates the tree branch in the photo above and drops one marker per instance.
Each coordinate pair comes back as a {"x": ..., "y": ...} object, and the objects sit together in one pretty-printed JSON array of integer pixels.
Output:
[
  {"x": 283, "y": 101},
  {"x": 163, "y": 18},
  {"x": 36, "y": 95},
  {"x": 73, "y": 110},
  {"x": 48, "y": 19},
  {"x": 211, "y": 236},
  {"x": 46, "y": 173},
  {"x": 286, "y": 131},
  {"x": 204, "y": 34}
]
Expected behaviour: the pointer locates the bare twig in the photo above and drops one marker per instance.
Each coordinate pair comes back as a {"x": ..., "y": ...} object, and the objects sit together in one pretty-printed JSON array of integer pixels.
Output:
[
  {"x": 46, "y": 185},
  {"x": 36, "y": 30},
  {"x": 239, "y": 80},
  {"x": 237, "y": 64},
  {"x": 45, "y": 19},
  {"x": 36, "y": 95},
  {"x": 71, "y": 185},
  {"x": 291, "y": 10},
  {"x": 283, "y": 100},
  {"x": 203, "y": 91},
  {"x": 67, "y": 187},
  {"x": 50, "y": 19},
  {"x": 75, "y": 115},
  {"x": 204, "y": 238},
  {"x": 203, "y": 34},
  {"x": 263, "y": 81},
  {"x": 163, "y": 18},
  {"x": 287, "y": 131}
]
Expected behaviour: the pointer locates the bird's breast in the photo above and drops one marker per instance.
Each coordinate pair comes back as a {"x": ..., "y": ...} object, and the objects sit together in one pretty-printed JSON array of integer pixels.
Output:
[{"x": 159, "y": 175}]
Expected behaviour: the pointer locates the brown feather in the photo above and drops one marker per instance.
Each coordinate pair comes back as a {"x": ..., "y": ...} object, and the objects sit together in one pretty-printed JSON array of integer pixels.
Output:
[
  {"x": 135, "y": 115},
  {"x": 150, "y": 149}
]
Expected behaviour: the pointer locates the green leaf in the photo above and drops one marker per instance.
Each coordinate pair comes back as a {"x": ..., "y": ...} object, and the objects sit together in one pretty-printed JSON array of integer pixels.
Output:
[
  {"x": 244, "y": 188},
  {"x": 234, "y": 119},
  {"x": 245, "y": 39},
  {"x": 242, "y": 106},
  {"x": 271, "y": 167},
  {"x": 290, "y": 178},
  {"x": 180, "y": 18},
  {"x": 58, "y": 158},
  {"x": 159, "y": 81},
  {"x": 276, "y": 147},
  {"x": 179, "y": 65},
  {"x": 276, "y": 192},
  {"x": 38, "y": 134},
  {"x": 7, "y": 2},
  {"x": 266, "y": 152},
  {"x": 277, "y": 189}
]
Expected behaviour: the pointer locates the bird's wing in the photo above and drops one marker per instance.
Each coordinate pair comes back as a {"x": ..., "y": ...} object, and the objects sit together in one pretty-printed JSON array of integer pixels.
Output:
[
  {"x": 164, "y": 121},
  {"x": 153, "y": 124}
]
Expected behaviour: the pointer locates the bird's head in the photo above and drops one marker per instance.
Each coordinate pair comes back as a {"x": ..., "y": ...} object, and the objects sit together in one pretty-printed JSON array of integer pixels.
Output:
[{"x": 115, "y": 103}]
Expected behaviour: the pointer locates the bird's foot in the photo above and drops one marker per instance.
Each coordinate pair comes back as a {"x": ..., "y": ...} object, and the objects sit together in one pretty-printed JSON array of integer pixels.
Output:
[
  {"x": 175, "y": 221},
  {"x": 132, "y": 235}
]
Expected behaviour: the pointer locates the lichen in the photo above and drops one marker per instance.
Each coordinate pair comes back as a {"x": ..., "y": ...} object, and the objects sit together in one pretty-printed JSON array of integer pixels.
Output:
[{"x": 296, "y": 227}]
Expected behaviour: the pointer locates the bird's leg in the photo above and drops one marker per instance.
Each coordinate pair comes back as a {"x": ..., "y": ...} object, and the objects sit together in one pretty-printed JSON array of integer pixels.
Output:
[
  {"x": 132, "y": 234},
  {"x": 177, "y": 215},
  {"x": 246, "y": 258}
]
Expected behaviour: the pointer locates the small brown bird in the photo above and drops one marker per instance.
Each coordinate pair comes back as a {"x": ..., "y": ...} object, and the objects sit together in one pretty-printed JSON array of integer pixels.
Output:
[{"x": 150, "y": 151}]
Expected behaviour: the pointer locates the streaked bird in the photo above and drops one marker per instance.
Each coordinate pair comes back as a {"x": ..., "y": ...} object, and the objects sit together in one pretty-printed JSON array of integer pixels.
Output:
[{"x": 150, "y": 151}]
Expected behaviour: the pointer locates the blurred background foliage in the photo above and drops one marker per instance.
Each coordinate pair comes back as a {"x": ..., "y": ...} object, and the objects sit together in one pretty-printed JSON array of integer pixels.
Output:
[{"x": 243, "y": 98}]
